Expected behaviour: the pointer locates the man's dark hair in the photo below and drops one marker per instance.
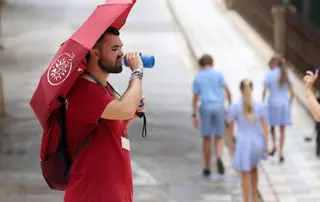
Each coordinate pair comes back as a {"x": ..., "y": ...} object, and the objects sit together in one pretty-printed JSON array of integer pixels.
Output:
[
  {"x": 110, "y": 30},
  {"x": 205, "y": 60}
]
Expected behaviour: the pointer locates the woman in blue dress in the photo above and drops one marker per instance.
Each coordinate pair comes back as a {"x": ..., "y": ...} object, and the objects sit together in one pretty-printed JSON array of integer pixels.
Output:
[
  {"x": 252, "y": 138},
  {"x": 279, "y": 84}
]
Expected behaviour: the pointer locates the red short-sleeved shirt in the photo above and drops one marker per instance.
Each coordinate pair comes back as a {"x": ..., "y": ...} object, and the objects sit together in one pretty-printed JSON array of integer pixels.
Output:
[{"x": 102, "y": 169}]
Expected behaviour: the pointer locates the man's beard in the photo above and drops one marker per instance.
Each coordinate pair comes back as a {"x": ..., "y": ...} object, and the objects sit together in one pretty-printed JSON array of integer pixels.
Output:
[{"x": 108, "y": 68}]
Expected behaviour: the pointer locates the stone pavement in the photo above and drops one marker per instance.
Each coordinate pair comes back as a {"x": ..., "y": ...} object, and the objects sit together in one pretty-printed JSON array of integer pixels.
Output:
[
  {"x": 167, "y": 164},
  {"x": 239, "y": 53}
]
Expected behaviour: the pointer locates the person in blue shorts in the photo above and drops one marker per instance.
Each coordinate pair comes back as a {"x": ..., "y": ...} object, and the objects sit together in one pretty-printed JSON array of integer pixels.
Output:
[
  {"x": 279, "y": 85},
  {"x": 252, "y": 138},
  {"x": 208, "y": 88}
]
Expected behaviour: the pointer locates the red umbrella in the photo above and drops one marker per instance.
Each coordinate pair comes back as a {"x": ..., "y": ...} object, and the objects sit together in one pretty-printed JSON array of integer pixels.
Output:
[{"x": 66, "y": 65}]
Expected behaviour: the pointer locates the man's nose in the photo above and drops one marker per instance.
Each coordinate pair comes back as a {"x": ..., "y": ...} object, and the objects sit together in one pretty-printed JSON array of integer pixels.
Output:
[{"x": 121, "y": 53}]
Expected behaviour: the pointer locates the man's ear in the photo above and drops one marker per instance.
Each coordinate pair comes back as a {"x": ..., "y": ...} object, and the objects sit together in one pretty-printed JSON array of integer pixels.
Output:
[{"x": 95, "y": 53}]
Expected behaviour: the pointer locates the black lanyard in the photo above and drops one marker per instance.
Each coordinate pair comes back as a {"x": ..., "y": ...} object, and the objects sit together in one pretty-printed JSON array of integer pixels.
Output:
[{"x": 141, "y": 115}]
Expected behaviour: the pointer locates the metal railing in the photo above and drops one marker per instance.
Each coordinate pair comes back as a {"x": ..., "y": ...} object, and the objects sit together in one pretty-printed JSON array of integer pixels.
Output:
[{"x": 302, "y": 37}]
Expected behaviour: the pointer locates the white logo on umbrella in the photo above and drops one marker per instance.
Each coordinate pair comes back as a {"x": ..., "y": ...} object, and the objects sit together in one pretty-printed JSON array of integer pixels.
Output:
[{"x": 60, "y": 69}]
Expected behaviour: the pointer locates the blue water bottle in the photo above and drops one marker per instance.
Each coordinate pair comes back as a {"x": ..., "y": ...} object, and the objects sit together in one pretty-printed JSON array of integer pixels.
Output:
[{"x": 147, "y": 60}]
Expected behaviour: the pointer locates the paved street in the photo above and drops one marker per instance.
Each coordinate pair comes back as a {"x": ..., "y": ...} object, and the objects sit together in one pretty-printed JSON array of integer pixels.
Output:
[
  {"x": 216, "y": 31},
  {"x": 167, "y": 164}
]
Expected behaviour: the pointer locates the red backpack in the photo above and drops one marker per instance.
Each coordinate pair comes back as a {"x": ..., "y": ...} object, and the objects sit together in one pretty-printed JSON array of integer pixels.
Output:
[{"x": 54, "y": 158}]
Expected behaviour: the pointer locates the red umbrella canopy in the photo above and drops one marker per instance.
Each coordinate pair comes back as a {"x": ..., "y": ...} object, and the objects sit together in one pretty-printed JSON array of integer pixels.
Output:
[{"x": 66, "y": 66}]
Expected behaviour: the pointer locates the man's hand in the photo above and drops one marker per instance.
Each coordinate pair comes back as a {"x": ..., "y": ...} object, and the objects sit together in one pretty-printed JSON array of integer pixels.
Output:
[
  {"x": 195, "y": 122},
  {"x": 134, "y": 61},
  {"x": 141, "y": 109},
  {"x": 142, "y": 106},
  {"x": 310, "y": 78}
]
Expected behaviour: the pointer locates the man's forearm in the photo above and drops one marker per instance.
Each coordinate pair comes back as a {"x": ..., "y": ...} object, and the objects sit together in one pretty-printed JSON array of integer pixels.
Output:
[
  {"x": 129, "y": 122},
  {"x": 194, "y": 108},
  {"x": 131, "y": 98},
  {"x": 194, "y": 104},
  {"x": 313, "y": 105}
]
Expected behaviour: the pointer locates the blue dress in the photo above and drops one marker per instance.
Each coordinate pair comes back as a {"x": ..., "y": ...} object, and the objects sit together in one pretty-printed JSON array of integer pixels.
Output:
[
  {"x": 250, "y": 144},
  {"x": 279, "y": 106}
]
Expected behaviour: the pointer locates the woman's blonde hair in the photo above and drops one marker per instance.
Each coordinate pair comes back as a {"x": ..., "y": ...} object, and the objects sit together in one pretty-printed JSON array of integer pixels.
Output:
[{"x": 246, "y": 87}]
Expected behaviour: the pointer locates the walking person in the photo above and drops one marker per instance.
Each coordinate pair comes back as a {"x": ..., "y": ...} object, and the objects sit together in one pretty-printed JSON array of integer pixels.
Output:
[
  {"x": 279, "y": 85},
  {"x": 209, "y": 86},
  {"x": 252, "y": 138}
]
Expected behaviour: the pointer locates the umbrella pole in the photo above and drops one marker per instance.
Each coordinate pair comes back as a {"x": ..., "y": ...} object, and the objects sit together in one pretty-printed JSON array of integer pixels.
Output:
[{"x": 2, "y": 104}]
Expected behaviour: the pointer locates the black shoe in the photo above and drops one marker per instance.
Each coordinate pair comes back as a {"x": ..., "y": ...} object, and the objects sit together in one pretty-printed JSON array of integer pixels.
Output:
[
  {"x": 281, "y": 159},
  {"x": 206, "y": 172},
  {"x": 220, "y": 166},
  {"x": 272, "y": 152}
]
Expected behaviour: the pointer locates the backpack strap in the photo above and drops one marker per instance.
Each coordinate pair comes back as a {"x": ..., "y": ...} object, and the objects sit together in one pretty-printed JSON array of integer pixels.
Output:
[
  {"x": 63, "y": 147},
  {"x": 84, "y": 141},
  {"x": 79, "y": 148}
]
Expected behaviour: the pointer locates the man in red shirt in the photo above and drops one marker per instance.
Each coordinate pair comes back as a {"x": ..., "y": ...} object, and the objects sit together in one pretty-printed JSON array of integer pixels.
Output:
[{"x": 102, "y": 170}]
